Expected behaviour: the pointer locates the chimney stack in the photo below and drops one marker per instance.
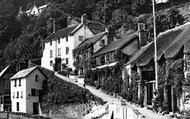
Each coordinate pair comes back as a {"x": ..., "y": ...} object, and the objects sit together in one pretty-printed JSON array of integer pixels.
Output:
[
  {"x": 142, "y": 35},
  {"x": 83, "y": 19},
  {"x": 69, "y": 20}
]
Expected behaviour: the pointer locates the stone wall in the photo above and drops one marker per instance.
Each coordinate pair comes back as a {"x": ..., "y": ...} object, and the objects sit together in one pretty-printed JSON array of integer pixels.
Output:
[{"x": 5, "y": 115}]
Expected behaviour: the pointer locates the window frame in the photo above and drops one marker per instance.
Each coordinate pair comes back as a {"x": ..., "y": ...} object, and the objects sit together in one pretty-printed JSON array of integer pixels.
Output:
[
  {"x": 51, "y": 54},
  {"x": 59, "y": 51}
]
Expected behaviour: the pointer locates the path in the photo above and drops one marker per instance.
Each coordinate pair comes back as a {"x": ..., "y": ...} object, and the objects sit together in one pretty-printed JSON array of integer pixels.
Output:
[{"x": 111, "y": 99}]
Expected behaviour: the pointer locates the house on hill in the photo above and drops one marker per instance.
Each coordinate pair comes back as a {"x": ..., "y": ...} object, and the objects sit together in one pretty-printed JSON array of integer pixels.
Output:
[
  {"x": 59, "y": 46},
  {"x": 26, "y": 86}
]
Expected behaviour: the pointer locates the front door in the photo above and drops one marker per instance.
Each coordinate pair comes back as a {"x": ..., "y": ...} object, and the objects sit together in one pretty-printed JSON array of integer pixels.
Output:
[
  {"x": 35, "y": 108},
  {"x": 149, "y": 93}
]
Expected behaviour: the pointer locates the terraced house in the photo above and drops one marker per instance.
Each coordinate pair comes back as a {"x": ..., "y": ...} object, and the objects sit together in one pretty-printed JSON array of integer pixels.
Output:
[
  {"x": 107, "y": 62},
  {"x": 173, "y": 60},
  {"x": 59, "y": 46}
]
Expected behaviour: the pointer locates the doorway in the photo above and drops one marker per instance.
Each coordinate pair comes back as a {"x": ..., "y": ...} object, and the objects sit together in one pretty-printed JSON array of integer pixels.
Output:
[{"x": 35, "y": 108}]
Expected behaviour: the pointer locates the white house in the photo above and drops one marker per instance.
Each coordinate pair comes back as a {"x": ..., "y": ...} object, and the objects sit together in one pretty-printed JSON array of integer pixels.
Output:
[
  {"x": 36, "y": 11},
  {"x": 59, "y": 46},
  {"x": 25, "y": 87}
]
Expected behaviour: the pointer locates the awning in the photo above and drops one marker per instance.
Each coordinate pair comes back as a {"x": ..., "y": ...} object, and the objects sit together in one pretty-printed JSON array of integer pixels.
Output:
[{"x": 106, "y": 65}]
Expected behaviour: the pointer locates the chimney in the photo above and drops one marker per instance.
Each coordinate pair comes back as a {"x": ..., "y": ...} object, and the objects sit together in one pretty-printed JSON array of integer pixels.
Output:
[
  {"x": 142, "y": 35},
  {"x": 69, "y": 20},
  {"x": 83, "y": 19}
]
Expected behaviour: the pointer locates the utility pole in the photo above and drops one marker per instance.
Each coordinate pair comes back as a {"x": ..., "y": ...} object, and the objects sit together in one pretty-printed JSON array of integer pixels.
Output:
[{"x": 155, "y": 45}]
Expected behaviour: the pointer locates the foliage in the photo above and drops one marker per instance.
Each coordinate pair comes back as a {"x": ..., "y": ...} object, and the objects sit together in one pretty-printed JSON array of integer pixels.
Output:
[{"x": 57, "y": 92}]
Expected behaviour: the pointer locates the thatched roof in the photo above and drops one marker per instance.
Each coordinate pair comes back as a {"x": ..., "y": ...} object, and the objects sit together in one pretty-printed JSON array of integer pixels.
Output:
[{"x": 168, "y": 43}]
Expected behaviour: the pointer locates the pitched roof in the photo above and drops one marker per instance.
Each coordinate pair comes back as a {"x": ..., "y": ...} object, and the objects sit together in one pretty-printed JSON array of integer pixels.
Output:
[
  {"x": 4, "y": 70},
  {"x": 178, "y": 43},
  {"x": 168, "y": 43},
  {"x": 23, "y": 73},
  {"x": 116, "y": 45},
  {"x": 61, "y": 33},
  {"x": 92, "y": 39},
  {"x": 95, "y": 26}
]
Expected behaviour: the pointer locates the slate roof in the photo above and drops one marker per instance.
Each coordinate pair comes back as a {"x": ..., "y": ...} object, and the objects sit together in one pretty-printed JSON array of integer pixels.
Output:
[
  {"x": 116, "y": 45},
  {"x": 168, "y": 43},
  {"x": 61, "y": 33},
  {"x": 92, "y": 40},
  {"x": 95, "y": 26},
  {"x": 23, "y": 73}
]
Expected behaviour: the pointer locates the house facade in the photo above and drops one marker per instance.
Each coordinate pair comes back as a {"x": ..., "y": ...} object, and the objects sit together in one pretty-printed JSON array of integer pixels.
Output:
[
  {"x": 107, "y": 62},
  {"x": 59, "y": 46},
  {"x": 5, "y": 98},
  {"x": 84, "y": 51},
  {"x": 25, "y": 88}
]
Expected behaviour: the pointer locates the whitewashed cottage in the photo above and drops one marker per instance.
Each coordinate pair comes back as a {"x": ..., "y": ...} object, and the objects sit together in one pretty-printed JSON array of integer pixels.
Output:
[{"x": 25, "y": 87}]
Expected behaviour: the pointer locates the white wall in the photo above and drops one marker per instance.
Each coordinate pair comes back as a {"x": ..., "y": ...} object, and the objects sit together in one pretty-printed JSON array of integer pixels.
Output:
[
  {"x": 31, "y": 83},
  {"x": 22, "y": 101}
]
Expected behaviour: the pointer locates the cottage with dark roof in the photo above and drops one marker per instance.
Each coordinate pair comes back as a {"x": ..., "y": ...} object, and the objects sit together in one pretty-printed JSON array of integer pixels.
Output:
[
  {"x": 59, "y": 46},
  {"x": 26, "y": 86}
]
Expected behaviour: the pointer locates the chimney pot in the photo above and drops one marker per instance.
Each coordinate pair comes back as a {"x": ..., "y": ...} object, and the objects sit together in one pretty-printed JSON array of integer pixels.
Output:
[{"x": 83, "y": 19}]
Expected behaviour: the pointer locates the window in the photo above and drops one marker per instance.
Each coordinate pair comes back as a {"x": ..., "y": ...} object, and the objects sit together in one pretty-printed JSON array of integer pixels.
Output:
[
  {"x": 17, "y": 106},
  {"x": 51, "y": 53},
  {"x": 51, "y": 42},
  {"x": 7, "y": 84},
  {"x": 67, "y": 60},
  {"x": 59, "y": 41},
  {"x": 36, "y": 78},
  {"x": 13, "y": 94},
  {"x": 59, "y": 51},
  {"x": 21, "y": 94},
  {"x": 33, "y": 92},
  {"x": 80, "y": 38},
  {"x": 15, "y": 83},
  {"x": 1, "y": 100},
  {"x": 66, "y": 38},
  {"x": 19, "y": 82},
  {"x": 51, "y": 63},
  {"x": 17, "y": 95},
  {"x": 67, "y": 50}
]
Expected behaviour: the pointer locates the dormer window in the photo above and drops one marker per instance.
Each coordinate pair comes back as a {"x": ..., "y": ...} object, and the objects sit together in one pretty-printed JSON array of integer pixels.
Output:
[{"x": 80, "y": 38}]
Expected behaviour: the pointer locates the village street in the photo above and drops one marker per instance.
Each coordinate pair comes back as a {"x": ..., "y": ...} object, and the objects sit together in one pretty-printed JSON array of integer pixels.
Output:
[{"x": 148, "y": 114}]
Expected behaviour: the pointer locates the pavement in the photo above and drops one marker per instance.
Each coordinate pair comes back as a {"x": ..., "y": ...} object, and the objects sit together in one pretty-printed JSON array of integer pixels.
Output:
[{"x": 148, "y": 114}]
